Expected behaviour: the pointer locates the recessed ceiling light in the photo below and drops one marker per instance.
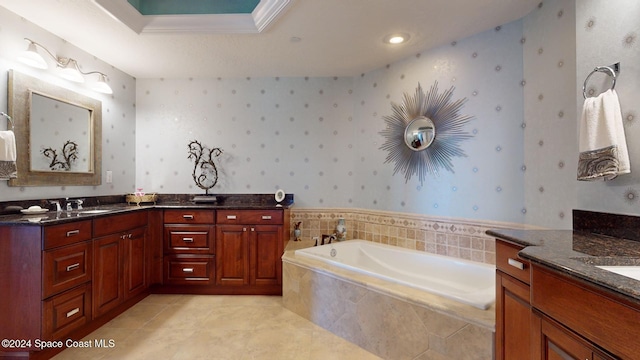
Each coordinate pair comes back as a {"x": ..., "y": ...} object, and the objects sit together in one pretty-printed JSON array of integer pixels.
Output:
[{"x": 395, "y": 39}]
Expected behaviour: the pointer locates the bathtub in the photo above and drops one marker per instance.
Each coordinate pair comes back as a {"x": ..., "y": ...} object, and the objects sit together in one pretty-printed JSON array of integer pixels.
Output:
[{"x": 461, "y": 280}]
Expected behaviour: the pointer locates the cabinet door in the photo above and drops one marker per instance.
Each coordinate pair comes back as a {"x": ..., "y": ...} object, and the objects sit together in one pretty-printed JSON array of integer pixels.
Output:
[
  {"x": 107, "y": 274},
  {"x": 513, "y": 318},
  {"x": 265, "y": 254},
  {"x": 135, "y": 277},
  {"x": 232, "y": 250},
  {"x": 560, "y": 344}
]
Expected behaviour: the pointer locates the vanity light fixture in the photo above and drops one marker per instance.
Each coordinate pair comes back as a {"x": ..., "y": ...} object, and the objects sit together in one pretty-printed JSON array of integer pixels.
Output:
[
  {"x": 69, "y": 68},
  {"x": 395, "y": 39}
]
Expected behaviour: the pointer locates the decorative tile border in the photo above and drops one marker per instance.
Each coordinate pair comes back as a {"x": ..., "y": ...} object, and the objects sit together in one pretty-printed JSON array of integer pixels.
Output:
[{"x": 460, "y": 238}]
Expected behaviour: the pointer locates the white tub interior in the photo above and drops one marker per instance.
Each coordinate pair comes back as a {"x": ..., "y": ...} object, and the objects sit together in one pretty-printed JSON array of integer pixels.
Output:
[{"x": 461, "y": 280}]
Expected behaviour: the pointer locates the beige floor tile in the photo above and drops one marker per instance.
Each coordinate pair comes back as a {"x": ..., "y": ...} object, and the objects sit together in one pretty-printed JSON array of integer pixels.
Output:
[
  {"x": 179, "y": 316},
  {"x": 137, "y": 316},
  {"x": 165, "y": 299},
  {"x": 218, "y": 344},
  {"x": 151, "y": 344},
  {"x": 326, "y": 345},
  {"x": 181, "y": 327},
  {"x": 284, "y": 344}
]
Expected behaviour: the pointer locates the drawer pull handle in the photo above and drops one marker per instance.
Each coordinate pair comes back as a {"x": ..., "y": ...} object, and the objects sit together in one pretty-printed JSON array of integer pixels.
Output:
[
  {"x": 188, "y": 217},
  {"x": 516, "y": 264},
  {"x": 187, "y": 270},
  {"x": 231, "y": 217},
  {"x": 266, "y": 217},
  {"x": 73, "y": 312},
  {"x": 73, "y": 267},
  {"x": 253, "y": 229},
  {"x": 73, "y": 232},
  {"x": 187, "y": 239}
]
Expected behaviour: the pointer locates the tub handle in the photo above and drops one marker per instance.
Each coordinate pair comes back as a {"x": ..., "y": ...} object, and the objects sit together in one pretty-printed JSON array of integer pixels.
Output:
[{"x": 516, "y": 264}]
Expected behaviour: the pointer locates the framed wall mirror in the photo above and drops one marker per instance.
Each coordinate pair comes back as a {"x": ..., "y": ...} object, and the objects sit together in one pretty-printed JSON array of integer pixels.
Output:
[{"x": 58, "y": 134}]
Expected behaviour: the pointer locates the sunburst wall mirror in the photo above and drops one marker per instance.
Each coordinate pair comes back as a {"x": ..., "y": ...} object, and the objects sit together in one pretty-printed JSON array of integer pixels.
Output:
[{"x": 424, "y": 132}]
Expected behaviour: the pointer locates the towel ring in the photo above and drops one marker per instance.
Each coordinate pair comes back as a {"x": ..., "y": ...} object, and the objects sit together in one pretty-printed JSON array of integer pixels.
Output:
[
  {"x": 9, "y": 121},
  {"x": 612, "y": 71}
]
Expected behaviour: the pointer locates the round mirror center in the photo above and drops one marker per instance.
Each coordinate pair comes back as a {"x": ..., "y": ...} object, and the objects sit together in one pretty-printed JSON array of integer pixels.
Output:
[{"x": 420, "y": 133}]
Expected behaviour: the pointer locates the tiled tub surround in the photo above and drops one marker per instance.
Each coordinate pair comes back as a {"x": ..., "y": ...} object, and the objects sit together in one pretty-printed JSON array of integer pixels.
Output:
[
  {"x": 390, "y": 320},
  {"x": 460, "y": 238}
]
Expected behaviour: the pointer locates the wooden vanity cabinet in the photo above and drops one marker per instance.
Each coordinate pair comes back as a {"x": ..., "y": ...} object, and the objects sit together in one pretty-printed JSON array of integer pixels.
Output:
[
  {"x": 558, "y": 342},
  {"x": 249, "y": 247},
  {"x": 582, "y": 319},
  {"x": 119, "y": 259},
  {"x": 189, "y": 250},
  {"x": 45, "y": 282},
  {"x": 542, "y": 313},
  {"x": 514, "y": 336},
  {"x": 66, "y": 277}
]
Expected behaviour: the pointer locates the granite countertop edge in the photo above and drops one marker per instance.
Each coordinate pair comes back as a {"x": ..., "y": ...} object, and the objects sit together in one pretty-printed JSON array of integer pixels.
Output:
[
  {"x": 577, "y": 254},
  {"x": 54, "y": 218}
]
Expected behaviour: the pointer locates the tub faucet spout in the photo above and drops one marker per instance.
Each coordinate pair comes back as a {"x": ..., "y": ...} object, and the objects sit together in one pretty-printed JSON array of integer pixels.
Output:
[{"x": 328, "y": 237}]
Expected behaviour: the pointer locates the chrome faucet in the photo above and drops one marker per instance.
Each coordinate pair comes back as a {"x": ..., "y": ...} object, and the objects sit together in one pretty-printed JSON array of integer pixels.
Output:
[
  {"x": 325, "y": 237},
  {"x": 57, "y": 203},
  {"x": 69, "y": 204}
]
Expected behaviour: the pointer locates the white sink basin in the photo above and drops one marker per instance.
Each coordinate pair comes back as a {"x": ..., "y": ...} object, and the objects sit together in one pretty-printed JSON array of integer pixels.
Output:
[{"x": 628, "y": 271}]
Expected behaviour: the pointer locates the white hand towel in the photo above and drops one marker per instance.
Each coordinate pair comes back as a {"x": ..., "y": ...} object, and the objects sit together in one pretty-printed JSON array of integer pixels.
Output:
[
  {"x": 8, "y": 167},
  {"x": 602, "y": 144}
]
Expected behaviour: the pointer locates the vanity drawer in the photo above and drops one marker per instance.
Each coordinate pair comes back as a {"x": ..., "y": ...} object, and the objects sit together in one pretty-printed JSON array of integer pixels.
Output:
[
  {"x": 192, "y": 270},
  {"x": 189, "y": 239},
  {"x": 65, "y": 234},
  {"x": 113, "y": 224},
  {"x": 507, "y": 261},
  {"x": 66, "y": 267},
  {"x": 66, "y": 312},
  {"x": 249, "y": 217},
  {"x": 189, "y": 216}
]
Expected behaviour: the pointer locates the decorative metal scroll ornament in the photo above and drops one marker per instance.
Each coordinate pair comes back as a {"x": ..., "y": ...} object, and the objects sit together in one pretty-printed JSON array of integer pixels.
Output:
[
  {"x": 425, "y": 132},
  {"x": 62, "y": 162},
  {"x": 205, "y": 173}
]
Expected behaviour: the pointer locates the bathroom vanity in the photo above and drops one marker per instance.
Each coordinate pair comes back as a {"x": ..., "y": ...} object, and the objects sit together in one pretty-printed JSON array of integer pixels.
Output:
[
  {"x": 555, "y": 302},
  {"x": 67, "y": 273}
]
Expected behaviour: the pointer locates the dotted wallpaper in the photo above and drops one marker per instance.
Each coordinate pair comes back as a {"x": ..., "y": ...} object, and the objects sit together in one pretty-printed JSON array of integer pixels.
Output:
[
  {"x": 550, "y": 120},
  {"x": 606, "y": 33},
  {"x": 487, "y": 184},
  {"x": 564, "y": 40},
  {"x": 118, "y": 109},
  {"x": 319, "y": 137}
]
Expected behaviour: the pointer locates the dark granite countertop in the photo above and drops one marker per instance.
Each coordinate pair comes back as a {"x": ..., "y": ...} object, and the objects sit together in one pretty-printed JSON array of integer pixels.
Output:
[
  {"x": 116, "y": 205},
  {"x": 578, "y": 253}
]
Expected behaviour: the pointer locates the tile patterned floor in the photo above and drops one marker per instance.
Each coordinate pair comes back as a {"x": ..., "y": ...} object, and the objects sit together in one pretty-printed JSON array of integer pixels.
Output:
[{"x": 214, "y": 327}]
